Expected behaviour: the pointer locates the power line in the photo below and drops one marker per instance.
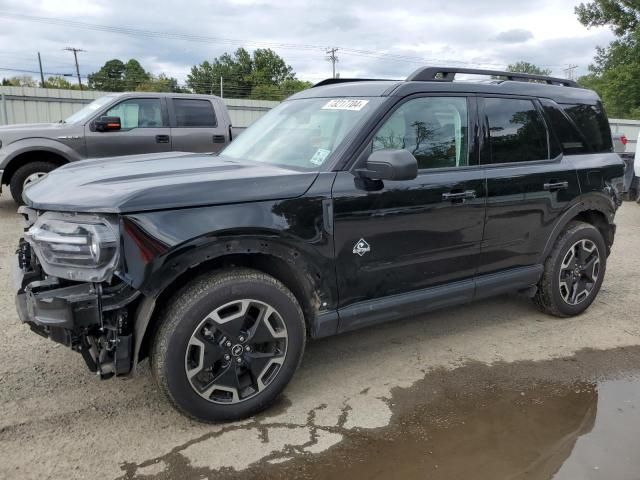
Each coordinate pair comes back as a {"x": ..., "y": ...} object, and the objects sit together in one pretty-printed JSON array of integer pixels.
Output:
[{"x": 75, "y": 56}]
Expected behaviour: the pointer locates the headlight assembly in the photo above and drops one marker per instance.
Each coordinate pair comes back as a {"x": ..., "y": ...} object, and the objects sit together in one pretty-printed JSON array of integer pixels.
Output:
[{"x": 75, "y": 247}]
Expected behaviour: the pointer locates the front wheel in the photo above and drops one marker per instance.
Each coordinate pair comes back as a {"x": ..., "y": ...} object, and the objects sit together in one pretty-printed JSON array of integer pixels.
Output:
[
  {"x": 228, "y": 345},
  {"x": 26, "y": 175},
  {"x": 573, "y": 272}
]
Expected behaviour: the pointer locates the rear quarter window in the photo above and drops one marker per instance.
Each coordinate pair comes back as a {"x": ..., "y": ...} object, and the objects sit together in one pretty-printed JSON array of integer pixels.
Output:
[
  {"x": 572, "y": 142},
  {"x": 593, "y": 124},
  {"x": 194, "y": 113}
]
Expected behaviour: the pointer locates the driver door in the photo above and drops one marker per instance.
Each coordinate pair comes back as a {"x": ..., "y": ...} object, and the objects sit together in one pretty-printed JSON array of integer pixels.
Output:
[
  {"x": 410, "y": 237},
  {"x": 144, "y": 130}
]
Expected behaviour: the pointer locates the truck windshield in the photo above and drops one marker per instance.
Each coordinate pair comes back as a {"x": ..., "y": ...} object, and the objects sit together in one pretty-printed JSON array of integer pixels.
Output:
[
  {"x": 301, "y": 134},
  {"x": 88, "y": 111}
]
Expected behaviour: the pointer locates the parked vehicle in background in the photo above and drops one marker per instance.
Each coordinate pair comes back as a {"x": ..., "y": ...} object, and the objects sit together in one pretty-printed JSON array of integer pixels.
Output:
[
  {"x": 349, "y": 204},
  {"x": 113, "y": 125},
  {"x": 620, "y": 142},
  {"x": 634, "y": 191}
]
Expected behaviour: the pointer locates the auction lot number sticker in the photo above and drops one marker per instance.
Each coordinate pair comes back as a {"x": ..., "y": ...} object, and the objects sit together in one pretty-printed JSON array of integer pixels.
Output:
[{"x": 345, "y": 104}]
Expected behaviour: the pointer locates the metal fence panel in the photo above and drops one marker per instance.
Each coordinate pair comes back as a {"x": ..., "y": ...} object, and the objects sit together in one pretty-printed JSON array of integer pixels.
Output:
[{"x": 44, "y": 105}]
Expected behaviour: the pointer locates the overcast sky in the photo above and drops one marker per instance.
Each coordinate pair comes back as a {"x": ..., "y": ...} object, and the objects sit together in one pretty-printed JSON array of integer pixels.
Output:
[{"x": 377, "y": 38}]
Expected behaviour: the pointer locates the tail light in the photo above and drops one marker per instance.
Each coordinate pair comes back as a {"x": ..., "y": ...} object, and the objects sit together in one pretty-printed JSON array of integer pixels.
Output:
[{"x": 624, "y": 140}]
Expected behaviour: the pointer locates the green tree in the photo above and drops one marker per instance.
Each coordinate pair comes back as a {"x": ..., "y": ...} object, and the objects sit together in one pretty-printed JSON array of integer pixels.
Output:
[
  {"x": 61, "y": 83},
  {"x": 262, "y": 74},
  {"x": 616, "y": 68},
  {"x": 526, "y": 67},
  {"x": 20, "y": 81},
  {"x": 160, "y": 83},
  {"x": 117, "y": 76}
]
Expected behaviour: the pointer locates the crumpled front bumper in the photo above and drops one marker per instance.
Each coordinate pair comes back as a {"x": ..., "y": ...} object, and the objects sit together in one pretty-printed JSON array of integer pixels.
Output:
[{"x": 86, "y": 317}]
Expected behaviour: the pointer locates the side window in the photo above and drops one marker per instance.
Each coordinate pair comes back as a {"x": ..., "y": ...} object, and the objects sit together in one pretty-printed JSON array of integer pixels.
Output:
[
  {"x": 194, "y": 113},
  {"x": 571, "y": 141},
  {"x": 433, "y": 129},
  {"x": 592, "y": 122},
  {"x": 138, "y": 113},
  {"x": 517, "y": 132}
]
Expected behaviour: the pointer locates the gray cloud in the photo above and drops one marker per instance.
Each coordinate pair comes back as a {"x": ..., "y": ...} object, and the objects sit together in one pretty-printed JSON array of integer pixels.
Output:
[
  {"x": 404, "y": 34},
  {"x": 517, "y": 35}
]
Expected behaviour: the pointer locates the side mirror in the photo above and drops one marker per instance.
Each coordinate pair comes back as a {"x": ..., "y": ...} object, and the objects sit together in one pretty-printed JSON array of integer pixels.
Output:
[
  {"x": 390, "y": 165},
  {"x": 106, "y": 124}
]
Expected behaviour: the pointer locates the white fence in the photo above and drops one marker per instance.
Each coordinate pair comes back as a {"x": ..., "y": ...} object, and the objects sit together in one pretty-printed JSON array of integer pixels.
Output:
[{"x": 41, "y": 105}]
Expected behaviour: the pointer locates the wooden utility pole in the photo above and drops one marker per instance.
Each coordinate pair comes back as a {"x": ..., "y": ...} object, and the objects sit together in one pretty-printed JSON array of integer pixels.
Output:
[
  {"x": 75, "y": 56},
  {"x": 41, "y": 74},
  {"x": 333, "y": 58}
]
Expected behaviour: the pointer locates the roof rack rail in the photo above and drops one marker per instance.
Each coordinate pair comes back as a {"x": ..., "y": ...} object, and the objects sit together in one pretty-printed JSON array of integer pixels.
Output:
[
  {"x": 447, "y": 74},
  {"x": 331, "y": 81}
]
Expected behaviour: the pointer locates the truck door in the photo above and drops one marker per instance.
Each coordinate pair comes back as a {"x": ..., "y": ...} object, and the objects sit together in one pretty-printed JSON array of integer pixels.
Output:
[
  {"x": 144, "y": 129},
  {"x": 195, "y": 127}
]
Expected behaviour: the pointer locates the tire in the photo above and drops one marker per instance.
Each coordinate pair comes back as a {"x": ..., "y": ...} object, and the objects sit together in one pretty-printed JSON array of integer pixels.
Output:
[
  {"x": 23, "y": 173},
  {"x": 565, "y": 289},
  {"x": 215, "y": 321}
]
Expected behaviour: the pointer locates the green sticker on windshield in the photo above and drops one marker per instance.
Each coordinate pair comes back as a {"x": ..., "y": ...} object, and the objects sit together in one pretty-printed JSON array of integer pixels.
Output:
[{"x": 320, "y": 156}]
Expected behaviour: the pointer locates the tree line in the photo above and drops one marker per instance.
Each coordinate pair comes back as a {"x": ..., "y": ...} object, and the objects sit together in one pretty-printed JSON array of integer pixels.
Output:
[{"x": 262, "y": 74}]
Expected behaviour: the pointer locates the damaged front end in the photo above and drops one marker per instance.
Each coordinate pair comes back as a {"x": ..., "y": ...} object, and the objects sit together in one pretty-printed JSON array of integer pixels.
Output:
[{"x": 66, "y": 290}]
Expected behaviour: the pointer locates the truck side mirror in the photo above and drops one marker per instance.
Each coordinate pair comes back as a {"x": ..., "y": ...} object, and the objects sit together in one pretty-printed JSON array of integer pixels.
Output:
[
  {"x": 390, "y": 165},
  {"x": 106, "y": 124}
]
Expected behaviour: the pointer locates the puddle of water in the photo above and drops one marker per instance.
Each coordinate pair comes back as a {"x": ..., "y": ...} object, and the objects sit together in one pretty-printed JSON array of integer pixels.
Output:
[{"x": 569, "y": 419}]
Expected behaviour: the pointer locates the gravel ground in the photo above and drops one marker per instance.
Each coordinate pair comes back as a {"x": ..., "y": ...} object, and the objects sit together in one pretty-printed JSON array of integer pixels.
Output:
[{"x": 58, "y": 421}]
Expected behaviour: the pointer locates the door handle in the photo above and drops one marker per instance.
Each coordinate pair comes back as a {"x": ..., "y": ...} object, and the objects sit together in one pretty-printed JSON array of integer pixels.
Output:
[
  {"x": 553, "y": 186},
  {"x": 219, "y": 139},
  {"x": 162, "y": 138},
  {"x": 453, "y": 196}
]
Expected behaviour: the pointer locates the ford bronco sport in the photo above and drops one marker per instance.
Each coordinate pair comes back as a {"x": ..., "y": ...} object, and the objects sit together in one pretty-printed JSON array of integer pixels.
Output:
[{"x": 350, "y": 204}]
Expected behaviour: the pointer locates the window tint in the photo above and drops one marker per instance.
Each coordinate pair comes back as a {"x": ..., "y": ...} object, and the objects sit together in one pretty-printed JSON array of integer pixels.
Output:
[
  {"x": 571, "y": 141},
  {"x": 516, "y": 130},
  {"x": 138, "y": 113},
  {"x": 194, "y": 113},
  {"x": 593, "y": 124},
  {"x": 434, "y": 130}
]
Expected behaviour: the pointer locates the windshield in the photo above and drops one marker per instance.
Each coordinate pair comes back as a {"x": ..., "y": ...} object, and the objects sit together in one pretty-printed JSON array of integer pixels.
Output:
[
  {"x": 89, "y": 110},
  {"x": 301, "y": 134}
]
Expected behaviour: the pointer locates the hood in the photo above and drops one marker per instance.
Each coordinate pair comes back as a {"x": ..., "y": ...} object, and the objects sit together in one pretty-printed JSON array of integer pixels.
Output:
[
  {"x": 162, "y": 181},
  {"x": 19, "y": 131}
]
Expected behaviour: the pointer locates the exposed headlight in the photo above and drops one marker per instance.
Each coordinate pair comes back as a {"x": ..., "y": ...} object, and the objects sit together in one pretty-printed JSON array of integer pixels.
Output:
[{"x": 75, "y": 247}]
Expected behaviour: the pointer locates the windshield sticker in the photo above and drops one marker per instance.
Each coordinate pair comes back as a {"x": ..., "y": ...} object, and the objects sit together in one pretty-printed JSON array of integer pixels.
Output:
[
  {"x": 345, "y": 104},
  {"x": 320, "y": 156}
]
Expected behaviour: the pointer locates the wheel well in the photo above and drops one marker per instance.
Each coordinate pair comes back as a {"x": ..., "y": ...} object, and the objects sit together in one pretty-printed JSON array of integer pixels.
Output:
[
  {"x": 598, "y": 220},
  {"x": 30, "y": 156},
  {"x": 279, "y": 269}
]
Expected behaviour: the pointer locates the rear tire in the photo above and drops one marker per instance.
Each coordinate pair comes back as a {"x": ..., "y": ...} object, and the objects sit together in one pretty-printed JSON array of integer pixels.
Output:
[
  {"x": 573, "y": 272},
  {"x": 228, "y": 344},
  {"x": 25, "y": 175}
]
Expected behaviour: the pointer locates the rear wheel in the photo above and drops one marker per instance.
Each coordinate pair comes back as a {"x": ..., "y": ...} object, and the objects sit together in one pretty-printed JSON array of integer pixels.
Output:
[
  {"x": 228, "y": 345},
  {"x": 573, "y": 272},
  {"x": 27, "y": 174}
]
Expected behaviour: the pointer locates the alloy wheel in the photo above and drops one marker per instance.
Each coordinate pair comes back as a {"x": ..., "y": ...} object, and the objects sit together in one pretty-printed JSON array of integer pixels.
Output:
[
  {"x": 579, "y": 272},
  {"x": 236, "y": 351}
]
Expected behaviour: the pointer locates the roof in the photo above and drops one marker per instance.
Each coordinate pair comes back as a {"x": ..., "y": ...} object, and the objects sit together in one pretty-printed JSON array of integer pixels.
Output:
[{"x": 440, "y": 79}]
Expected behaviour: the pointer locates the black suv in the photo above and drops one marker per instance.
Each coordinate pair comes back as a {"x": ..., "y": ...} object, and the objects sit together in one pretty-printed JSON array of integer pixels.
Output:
[{"x": 350, "y": 204}]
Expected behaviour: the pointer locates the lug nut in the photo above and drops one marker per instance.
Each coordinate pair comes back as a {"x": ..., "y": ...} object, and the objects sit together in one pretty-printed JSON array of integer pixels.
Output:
[
  {"x": 241, "y": 338},
  {"x": 247, "y": 348},
  {"x": 239, "y": 360},
  {"x": 227, "y": 357},
  {"x": 228, "y": 344}
]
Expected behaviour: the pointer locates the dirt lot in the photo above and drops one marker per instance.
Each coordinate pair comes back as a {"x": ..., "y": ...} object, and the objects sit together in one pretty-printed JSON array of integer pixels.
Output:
[{"x": 511, "y": 389}]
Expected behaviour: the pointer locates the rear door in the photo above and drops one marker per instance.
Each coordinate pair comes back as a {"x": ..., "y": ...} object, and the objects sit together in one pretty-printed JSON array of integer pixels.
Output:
[
  {"x": 145, "y": 129},
  {"x": 195, "y": 127},
  {"x": 530, "y": 183}
]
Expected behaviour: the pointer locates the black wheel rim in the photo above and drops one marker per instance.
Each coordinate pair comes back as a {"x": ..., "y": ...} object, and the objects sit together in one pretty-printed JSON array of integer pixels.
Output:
[
  {"x": 579, "y": 272},
  {"x": 236, "y": 351}
]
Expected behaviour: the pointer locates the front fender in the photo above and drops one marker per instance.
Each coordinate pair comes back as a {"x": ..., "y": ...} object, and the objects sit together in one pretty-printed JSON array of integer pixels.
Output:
[{"x": 8, "y": 153}]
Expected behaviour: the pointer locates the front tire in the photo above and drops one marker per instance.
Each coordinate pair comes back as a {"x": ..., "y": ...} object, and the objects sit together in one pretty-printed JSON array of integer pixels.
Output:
[
  {"x": 228, "y": 344},
  {"x": 27, "y": 174},
  {"x": 573, "y": 272}
]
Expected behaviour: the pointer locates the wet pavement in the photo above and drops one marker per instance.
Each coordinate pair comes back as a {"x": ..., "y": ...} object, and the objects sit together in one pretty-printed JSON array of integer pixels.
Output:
[{"x": 572, "y": 418}]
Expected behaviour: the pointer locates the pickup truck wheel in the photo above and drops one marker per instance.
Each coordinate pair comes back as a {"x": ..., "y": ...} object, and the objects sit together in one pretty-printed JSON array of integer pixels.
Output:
[
  {"x": 27, "y": 174},
  {"x": 573, "y": 272},
  {"x": 228, "y": 344}
]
